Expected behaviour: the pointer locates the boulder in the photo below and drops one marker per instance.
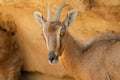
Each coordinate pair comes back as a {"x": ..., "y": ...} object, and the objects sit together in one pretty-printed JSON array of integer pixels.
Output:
[{"x": 10, "y": 58}]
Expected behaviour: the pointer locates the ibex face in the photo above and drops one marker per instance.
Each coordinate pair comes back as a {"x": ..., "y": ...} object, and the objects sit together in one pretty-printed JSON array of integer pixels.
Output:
[
  {"x": 54, "y": 31},
  {"x": 52, "y": 34}
]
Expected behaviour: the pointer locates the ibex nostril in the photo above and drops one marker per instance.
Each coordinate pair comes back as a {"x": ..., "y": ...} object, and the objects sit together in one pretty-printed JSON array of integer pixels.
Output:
[{"x": 52, "y": 57}]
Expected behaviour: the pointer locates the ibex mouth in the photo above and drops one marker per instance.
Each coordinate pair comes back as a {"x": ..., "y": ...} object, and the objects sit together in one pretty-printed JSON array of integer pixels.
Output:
[{"x": 52, "y": 58}]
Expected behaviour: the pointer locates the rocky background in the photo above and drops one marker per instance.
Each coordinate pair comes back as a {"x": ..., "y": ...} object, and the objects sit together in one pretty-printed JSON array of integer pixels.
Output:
[{"x": 95, "y": 17}]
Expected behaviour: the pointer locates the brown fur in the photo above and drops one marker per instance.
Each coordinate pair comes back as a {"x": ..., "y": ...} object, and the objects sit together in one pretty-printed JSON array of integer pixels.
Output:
[
  {"x": 98, "y": 60},
  {"x": 10, "y": 59},
  {"x": 95, "y": 59},
  {"x": 51, "y": 32}
]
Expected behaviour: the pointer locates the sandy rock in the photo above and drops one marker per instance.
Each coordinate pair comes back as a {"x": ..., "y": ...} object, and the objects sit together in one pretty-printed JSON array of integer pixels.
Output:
[
  {"x": 95, "y": 17},
  {"x": 31, "y": 44},
  {"x": 10, "y": 59}
]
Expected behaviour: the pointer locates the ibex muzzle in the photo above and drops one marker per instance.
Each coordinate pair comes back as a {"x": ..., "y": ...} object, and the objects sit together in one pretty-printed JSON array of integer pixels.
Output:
[{"x": 52, "y": 57}]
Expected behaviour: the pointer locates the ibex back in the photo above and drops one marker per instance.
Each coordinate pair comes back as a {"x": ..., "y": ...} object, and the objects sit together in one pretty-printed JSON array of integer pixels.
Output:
[{"x": 96, "y": 59}]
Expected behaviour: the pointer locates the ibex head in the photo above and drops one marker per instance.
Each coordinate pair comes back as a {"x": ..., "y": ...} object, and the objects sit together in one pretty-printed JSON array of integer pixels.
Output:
[{"x": 54, "y": 31}]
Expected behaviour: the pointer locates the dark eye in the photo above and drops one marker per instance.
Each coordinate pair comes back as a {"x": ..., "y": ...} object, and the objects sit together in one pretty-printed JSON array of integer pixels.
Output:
[{"x": 62, "y": 32}]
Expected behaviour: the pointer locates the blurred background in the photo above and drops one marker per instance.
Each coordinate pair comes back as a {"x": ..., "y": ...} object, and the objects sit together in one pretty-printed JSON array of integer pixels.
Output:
[{"x": 95, "y": 17}]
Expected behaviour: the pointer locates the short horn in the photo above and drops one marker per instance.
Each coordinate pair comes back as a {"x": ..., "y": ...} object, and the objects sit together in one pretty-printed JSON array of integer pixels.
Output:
[
  {"x": 57, "y": 14},
  {"x": 48, "y": 14}
]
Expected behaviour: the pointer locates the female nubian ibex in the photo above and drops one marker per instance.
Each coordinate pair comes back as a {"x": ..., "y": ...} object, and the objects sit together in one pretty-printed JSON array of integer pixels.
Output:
[{"x": 96, "y": 59}]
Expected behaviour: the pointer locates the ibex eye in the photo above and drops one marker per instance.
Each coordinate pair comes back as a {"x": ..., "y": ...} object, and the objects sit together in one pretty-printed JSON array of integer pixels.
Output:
[{"x": 62, "y": 33}]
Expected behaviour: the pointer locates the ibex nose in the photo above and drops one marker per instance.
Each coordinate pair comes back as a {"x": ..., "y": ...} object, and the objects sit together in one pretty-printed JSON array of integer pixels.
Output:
[{"x": 52, "y": 57}]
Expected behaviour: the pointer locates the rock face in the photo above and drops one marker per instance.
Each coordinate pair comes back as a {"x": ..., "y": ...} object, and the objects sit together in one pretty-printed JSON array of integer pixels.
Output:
[
  {"x": 95, "y": 17},
  {"x": 31, "y": 43},
  {"x": 10, "y": 59}
]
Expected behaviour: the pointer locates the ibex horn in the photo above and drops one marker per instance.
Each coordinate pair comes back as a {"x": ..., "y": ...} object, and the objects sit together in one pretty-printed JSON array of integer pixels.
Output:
[
  {"x": 48, "y": 14},
  {"x": 57, "y": 14}
]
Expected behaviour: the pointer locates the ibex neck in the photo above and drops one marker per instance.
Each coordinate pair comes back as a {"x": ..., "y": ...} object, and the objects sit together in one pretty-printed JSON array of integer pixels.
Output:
[{"x": 72, "y": 54}]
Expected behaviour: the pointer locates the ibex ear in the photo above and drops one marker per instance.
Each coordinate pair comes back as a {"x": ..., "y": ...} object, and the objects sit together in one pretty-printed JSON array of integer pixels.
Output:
[
  {"x": 71, "y": 16},
  {"x": 38, "y": 16}
]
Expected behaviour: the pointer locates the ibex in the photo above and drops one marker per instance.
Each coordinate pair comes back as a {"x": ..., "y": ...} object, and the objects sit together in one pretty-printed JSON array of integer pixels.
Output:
[{"x": 95, "y": 59}]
